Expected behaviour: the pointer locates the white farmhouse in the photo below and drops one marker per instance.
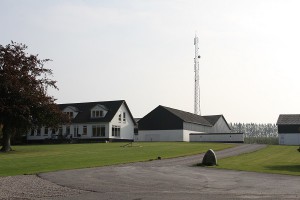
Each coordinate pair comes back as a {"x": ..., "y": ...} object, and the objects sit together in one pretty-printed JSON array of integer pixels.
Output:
[
  {"x": 289, "y": 129},
  {"x": 100, "y": 121}
]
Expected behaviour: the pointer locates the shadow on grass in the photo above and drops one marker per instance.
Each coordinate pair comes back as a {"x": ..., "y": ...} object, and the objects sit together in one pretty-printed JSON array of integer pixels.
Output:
[{"x": 290, "y": 168}]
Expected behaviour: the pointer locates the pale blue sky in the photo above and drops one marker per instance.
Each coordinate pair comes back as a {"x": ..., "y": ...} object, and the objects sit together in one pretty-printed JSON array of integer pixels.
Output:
[{"x": 142, "y": 51}]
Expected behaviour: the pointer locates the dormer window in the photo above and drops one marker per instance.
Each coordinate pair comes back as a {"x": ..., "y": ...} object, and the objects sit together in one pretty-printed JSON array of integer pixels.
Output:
[
  {"x": 70, "y": 114},
  {"x": 71, "y": 111},
  {"x": 98, "y": 111}
]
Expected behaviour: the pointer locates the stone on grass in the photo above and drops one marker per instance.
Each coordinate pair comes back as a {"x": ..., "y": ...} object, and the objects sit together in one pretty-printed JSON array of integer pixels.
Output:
[{"x": 210, "y": 158}]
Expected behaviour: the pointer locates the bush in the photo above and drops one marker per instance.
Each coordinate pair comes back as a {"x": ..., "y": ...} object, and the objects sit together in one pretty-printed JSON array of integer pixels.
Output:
[{"x": 261, "y": 140}]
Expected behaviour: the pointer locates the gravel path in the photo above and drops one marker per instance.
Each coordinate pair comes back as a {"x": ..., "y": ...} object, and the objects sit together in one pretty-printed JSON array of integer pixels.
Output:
[
  {"x": 32, "y": 187},
  {"x": 85, "y": 183}
]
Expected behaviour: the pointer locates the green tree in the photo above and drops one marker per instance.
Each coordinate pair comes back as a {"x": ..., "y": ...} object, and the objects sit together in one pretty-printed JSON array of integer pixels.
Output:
[{"x": 24, "y": 102}]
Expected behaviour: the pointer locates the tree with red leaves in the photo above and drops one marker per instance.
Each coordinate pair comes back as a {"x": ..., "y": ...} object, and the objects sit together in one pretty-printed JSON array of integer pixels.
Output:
[{"x": 24, "y": 102}]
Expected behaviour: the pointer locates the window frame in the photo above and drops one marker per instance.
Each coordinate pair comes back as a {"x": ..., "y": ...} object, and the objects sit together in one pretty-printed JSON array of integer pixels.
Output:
[
  {"x": 116, "y": 131},
  {"x": 60, "y": 130},
  {"x": 38, "y": 132},
  {"x": 75, "y": 131},
  {"x": 46, "y": 131},
  {"x": 84, "y": 130},
  {"x": 124, "y": 117},
  {"x": 98, "y": 131},
  {"x": 68, "y": 130}
]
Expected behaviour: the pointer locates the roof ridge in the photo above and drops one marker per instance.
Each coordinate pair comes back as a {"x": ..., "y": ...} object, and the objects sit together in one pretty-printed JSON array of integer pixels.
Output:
[
  {"x": 91, "y": 102},
  {"x": 192, "y": 118}
]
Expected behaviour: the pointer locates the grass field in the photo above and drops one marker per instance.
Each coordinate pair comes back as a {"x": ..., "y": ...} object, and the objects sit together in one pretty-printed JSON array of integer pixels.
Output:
[
  {"x": 273, "y": 159},
  {"x": 31, "y": 159}
]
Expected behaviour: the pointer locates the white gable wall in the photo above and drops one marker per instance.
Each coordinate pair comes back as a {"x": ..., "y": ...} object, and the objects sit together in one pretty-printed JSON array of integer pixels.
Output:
[
  {"x": 220, "y": 127},
  {"x": 127, "y": 127}
]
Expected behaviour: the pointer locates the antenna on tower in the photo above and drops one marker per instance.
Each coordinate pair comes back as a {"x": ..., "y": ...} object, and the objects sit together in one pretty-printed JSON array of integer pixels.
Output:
[{"x": 197, "y": 110}]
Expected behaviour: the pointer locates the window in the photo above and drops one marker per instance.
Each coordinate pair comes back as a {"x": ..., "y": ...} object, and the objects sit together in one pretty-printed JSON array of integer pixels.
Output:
[
  {"x": 97, "y": 113},
  {"x": 116, "y": 131},
  {"x": 76, "y": 131},
  {"x": 103, "y": 131},
  {"x": 53, "y": 131},
  {"x": 98, "y": 131},
  {"x": 46, "y": 131},
  {"x": 68, "y": 130},
  {"x": 60, "y": 130},
  {"x": 120, "y": 117},
  {"x": 32, "y": 132},
  {"x": 84, "y": 131},
  {"x": 124, "y": 117},
  {"x": 38, "y": 132},
  {"x": 70, "y": 114}
]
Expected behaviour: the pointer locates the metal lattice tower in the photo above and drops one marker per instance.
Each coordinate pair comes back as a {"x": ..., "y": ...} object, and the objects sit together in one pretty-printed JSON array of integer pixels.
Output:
[{"x": 197, "y": 110}]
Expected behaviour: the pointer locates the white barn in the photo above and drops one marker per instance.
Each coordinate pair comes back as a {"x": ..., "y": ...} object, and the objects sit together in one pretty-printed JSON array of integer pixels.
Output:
[
  {"x": 169, "y": 124},
  {"x": 100, "y": 121},
  {"x": 289, "y": 129}
]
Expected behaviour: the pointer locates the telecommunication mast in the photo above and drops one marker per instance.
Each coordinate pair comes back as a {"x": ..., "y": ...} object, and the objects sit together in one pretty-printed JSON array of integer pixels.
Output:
[{"x": 197, "y": 110}]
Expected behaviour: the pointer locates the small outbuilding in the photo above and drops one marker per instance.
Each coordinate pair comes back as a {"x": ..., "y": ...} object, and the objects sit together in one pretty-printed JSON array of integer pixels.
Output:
[
  {"x": 289, "y": 129},
  {"x": 169, "y": 124}
]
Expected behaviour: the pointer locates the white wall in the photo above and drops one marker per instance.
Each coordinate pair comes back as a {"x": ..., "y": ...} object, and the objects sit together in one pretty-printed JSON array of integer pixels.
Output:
[
  {"x": 220, "y": 126},
  {"x": 127, "y": 127},
  {"x": 196, "y": 127},
  {"x": 289, "y": 138},
  {"x": 216, "y": 137},
  {"x": 186, "y": 135},
  {"x": 160, "y": 135},
  {"x": 64, "y": 127}
]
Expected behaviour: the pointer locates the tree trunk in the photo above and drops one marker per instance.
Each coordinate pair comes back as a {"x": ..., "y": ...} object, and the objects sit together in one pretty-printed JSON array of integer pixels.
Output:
[{"x": 6, "y": 139}]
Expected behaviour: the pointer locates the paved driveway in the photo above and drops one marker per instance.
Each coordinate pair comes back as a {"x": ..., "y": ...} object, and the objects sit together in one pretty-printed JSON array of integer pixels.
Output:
[{"x": 176, "y": 179}]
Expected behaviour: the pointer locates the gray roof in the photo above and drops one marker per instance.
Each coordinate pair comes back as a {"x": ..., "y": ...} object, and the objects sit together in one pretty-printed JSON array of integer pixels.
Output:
[
  {"x": 193, "y": 118},
  {"x": 288, "y": 119},
  {"x": 84, "y": 110}
]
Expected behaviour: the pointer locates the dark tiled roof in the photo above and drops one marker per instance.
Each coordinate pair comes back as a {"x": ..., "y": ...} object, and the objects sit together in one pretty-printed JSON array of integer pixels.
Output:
[
  {"x": 189, "y": 117},
  {"x": 84, "y": 109},
  {"x": 289, "y": 119}
]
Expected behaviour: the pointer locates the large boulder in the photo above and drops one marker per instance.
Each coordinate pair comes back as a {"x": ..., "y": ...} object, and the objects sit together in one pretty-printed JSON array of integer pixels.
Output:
[{"x": 210, "y": 158}]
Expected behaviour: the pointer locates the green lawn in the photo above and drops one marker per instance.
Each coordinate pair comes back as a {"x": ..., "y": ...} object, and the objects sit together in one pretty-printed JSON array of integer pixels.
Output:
[
  {"x": 273, "y": 159},
  {"x": 31, "y": 159}
]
